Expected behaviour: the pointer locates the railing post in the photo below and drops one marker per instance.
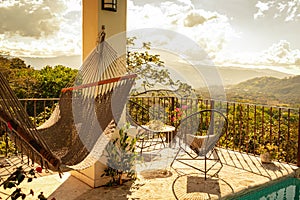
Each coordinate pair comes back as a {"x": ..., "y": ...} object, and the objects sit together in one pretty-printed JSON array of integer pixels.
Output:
[
  {"x": 212, "y": 104},
  {"x": 44, "y": 115},
  {"x": 173, "y": 108},
  {"x": 34, "y": 112},
  {"x": 6, "y": 141},
  {"x": 227, "y": 116},
  {"x": 298, "y": 155}
]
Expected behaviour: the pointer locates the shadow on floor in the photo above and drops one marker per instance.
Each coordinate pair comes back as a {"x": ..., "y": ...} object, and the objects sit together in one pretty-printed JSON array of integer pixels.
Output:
[
  {"x": 194, "y": 186},
  {"x": 156, "y": 173},
  {"x": 253, "y": 164},
  {"x": 74, "y": 189}
]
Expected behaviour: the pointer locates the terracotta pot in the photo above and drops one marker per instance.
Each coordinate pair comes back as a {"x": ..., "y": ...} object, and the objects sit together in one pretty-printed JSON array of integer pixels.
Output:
[{"x": 265, "y": 157}]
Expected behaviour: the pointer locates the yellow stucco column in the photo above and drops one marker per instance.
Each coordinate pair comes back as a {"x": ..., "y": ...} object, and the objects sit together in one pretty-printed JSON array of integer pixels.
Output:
[
  {"x": 90, "y": 12},
  {"x": 115, "y": 22},
  {"x": 92, "y": 20}
]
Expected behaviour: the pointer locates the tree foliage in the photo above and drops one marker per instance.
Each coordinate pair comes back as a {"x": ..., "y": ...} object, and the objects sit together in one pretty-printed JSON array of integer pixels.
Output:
[
  {"x": 27, "y": 82},
  {"x": 151, "y": 70},
  {"x": 50, "y": 80}
]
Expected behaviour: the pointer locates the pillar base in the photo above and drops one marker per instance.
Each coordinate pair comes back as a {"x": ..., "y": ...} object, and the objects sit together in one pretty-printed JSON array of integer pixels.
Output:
[{"x": 92, "y": 175}]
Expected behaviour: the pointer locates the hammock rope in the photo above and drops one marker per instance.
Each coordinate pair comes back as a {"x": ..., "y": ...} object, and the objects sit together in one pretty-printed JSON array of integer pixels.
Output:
[
  {"x": 12, "y": 112},
  {"x": 86, "y": 116}
]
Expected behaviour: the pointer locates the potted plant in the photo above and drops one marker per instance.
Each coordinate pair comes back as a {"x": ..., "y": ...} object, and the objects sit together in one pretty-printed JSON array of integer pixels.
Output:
[
  {"x": 121, "y": 158},
  {"x": 267, "y": 153}
]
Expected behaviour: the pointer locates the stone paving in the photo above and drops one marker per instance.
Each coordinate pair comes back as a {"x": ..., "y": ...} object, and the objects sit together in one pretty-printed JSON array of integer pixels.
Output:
[{"x": 241, "y": 173}]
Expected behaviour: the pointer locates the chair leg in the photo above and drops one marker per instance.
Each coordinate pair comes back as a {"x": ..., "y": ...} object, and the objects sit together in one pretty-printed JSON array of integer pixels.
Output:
[
  {"x": 175, "y": 157},
  {"x": 205, "y": 158},
  {"x": 142, "y": 146},
  {"x": 217, "y": 160},
  {"x": 162, "y": 139},
  {"x": 215, "y": 155}
]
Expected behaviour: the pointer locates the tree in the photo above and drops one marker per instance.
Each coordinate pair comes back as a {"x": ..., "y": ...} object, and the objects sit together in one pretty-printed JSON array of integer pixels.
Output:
[
  {"x": 27, "y": 82},
  {"x": 151, "y": 69},
  {"x": 17, "y": 63},
  {"x": 23, "y": 81},
  {"x": 21, "y": 77},
  {"x": 50, "y": 80},
  {"x": 4, "y": 64}
]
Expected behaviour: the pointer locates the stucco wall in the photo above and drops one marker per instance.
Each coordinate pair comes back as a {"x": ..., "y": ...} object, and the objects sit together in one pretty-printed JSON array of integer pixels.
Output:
[{"x": 93, "y": 18}]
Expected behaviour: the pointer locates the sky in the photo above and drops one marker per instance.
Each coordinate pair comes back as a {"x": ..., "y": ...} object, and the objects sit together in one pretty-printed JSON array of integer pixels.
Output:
[
  {"x": 40, "y": 28},
  {"x": 256, "y": 33}
]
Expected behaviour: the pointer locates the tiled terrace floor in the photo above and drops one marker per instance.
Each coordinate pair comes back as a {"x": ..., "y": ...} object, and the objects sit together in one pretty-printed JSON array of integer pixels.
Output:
[{"x": 240, "y": 173}]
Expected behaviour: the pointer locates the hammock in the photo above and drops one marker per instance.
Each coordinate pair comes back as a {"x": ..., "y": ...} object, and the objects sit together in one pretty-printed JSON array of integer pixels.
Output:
[{"x": 78, "y": 130}]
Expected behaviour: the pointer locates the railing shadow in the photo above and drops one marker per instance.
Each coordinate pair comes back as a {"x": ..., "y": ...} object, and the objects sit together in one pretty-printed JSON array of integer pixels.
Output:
[
  {"x": 253, "y": 164},
  {"x": 194, "y": 186},
  {"x": 240, "y": 173}
]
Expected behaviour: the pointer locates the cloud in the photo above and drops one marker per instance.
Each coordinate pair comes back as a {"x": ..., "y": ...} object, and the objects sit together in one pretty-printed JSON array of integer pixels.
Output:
[
  {"x": 193, "y": 19},
  {"x": 262, "y": 7},
  {"x": 39, "y": 25},
  {"x": 281, "y": 53},
  {"x": 210, "y": 30},
  {"x": 287, "y": 10},
  {"x": 278, "y": 54},
  {"x": 30, "y": 18}
]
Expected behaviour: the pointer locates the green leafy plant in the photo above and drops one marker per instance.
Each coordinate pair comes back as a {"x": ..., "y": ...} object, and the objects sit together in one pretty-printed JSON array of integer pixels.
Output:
[
  {"x": 7, "y": 147},
  {"x": 268, "y": 148},
  {"x": 121, "y": 158}
]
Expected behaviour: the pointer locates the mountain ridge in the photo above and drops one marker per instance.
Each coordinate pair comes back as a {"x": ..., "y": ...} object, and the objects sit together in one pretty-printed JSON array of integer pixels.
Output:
[
  {"x": 73, "y": 61},
  {"x": 230, "y": 74},
  {"x": 268, "y": 90},
  {"x": 236, "y": 75}
]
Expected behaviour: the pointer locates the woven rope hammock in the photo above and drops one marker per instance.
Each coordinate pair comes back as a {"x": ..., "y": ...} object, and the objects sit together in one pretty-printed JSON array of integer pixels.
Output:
[{"x": 78, "y": 130}]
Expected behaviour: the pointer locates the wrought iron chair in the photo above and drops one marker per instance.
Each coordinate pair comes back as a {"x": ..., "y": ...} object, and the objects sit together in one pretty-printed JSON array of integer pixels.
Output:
[{"x": 198, "y": 135}]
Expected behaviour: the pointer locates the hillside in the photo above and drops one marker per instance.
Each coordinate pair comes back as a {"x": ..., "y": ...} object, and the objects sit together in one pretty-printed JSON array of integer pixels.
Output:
[
  {"x": 267, "y": 90},
  {"x": 68, "y": 61},
  {"x": 235, "y": 75},
  {"x": 230, "y": 75}
]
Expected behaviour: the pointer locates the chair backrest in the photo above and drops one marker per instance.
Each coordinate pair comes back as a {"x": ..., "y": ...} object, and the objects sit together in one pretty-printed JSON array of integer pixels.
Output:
[{"x": 201, "y": 130}]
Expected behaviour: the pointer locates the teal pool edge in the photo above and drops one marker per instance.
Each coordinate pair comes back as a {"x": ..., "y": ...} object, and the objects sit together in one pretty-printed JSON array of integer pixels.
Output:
[{"x": 267, "y": 189}]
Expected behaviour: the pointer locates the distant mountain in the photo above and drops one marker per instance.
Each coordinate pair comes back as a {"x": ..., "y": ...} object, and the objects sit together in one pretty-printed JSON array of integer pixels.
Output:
[
  {"x": 68, "y": 61},
  {"x": 235, "y": 75},
  {"x": 229, "y": 75},
  {"x": 268, "y": 90}
]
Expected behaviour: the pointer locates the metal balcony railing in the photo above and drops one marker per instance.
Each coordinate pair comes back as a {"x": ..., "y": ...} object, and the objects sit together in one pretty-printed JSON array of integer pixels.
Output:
[
  {"x": 251, "y": 127},
  {"x": 39, "y": 109}
]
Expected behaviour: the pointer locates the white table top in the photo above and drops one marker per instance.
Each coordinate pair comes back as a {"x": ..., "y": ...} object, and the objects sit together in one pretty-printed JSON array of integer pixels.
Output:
[{"x": 164, "y": 128}]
